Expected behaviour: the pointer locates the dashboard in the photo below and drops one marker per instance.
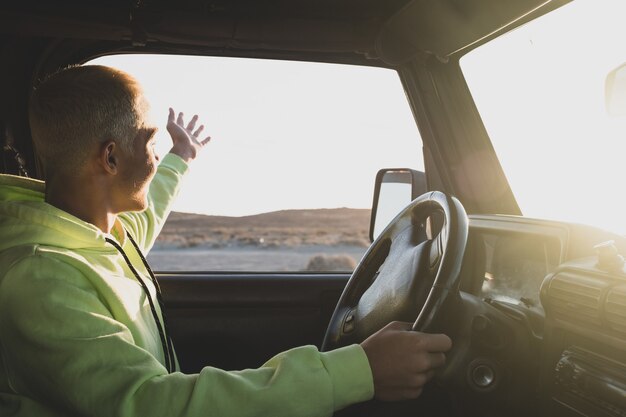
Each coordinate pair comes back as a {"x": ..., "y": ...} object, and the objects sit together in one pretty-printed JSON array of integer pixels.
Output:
[
  {"x": 516, "y": 265},
  {"x": 512, "y": 256},
  {"x": 554, "y": 276}
]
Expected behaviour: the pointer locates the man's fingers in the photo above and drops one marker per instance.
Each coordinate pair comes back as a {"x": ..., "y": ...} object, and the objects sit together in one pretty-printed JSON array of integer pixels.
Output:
[
  {"x": 399, "y": 325},
  {"x": 418, "y": 380},
  {"x": 198, "y": 131},
  {"x": 410, "y": 394},
  {"x": 433, "y": 342},
  {"x": 437, "y": 360},
  {"x": 423, "y": 362},
  {"x": 185, "y": 137},
  {"x": 192, "y": 122}
]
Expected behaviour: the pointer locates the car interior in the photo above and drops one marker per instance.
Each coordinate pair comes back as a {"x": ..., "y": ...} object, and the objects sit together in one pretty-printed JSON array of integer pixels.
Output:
[{"x": 536, "y": 308}]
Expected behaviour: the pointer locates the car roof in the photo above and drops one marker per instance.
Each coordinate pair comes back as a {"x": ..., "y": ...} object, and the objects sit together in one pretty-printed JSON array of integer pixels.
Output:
[{"x": 359, "y": 30}]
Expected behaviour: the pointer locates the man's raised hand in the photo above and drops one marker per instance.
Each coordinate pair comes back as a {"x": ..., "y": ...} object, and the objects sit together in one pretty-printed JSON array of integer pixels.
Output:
[{"x": 185, "y": 140}]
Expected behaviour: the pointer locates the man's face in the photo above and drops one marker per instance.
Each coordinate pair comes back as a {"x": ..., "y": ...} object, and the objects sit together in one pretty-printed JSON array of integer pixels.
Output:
[{"x": 137, "y": 169}]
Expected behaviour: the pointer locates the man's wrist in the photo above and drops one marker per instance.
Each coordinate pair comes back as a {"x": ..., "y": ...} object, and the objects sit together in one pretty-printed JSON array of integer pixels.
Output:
[{"x": 185, "y": 153}]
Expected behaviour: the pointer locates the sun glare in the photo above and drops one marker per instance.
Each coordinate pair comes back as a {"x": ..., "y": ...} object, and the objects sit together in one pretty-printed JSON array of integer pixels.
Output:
[{"x": 540, "y": 91}]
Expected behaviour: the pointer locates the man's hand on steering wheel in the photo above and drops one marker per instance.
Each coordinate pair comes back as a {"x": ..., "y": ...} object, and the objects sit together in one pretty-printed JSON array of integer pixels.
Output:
[{"x": 402, "y": 361}]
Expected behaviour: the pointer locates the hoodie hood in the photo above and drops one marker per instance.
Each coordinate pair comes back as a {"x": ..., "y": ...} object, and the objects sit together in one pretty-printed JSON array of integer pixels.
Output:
[{"x": 26, "y": 219}]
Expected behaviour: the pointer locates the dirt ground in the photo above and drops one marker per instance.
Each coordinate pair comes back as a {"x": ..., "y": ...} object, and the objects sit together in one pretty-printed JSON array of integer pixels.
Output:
[{"x": 290, "y": 240}]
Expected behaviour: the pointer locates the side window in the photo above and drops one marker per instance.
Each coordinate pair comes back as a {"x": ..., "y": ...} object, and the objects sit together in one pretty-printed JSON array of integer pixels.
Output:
[{"x": 286, "y": 183}]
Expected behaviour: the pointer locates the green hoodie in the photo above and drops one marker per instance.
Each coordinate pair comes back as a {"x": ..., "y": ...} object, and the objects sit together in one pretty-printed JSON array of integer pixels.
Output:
[{"x": 77, "y": 336}]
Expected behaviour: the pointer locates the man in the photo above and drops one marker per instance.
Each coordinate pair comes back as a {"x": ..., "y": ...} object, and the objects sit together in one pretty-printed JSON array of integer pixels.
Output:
[{"x": 81, "y": 324}]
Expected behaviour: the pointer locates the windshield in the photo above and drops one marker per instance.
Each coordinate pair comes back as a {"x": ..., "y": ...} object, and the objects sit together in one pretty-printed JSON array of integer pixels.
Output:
[{"x": 540, "y": 92}]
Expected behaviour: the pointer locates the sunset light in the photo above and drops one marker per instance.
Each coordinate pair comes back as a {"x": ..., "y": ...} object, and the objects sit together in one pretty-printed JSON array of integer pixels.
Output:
[{"x": 540, "y": 92}]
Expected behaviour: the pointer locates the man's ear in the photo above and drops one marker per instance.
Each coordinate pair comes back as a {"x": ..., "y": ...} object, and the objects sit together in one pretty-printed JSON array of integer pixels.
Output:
[{"x": 109, "y": 157}]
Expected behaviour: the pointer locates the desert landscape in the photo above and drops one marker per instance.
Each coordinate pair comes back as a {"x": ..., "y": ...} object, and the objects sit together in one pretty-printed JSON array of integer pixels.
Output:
[{"x": 287, "y": 240}]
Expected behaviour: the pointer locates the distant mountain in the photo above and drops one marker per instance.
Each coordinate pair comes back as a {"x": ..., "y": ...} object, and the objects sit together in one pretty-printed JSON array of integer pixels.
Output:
[
  {"x": 340, "y": 226},
  {"x": 339, "y": 217}
]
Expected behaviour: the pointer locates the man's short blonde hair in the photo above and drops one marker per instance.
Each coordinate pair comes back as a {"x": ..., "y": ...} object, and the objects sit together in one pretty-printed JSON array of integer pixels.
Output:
[{"x": 78, "y": 108}]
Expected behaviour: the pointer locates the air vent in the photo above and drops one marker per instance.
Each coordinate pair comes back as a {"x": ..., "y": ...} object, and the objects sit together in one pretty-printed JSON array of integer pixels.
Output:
[
  {"x": 576, "y": 298},
  {"x": 615, "y": 309}
]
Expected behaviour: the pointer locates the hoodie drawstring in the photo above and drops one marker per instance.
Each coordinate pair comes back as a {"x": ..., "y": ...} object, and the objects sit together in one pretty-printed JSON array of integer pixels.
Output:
[{"x": 166, "y": 342}]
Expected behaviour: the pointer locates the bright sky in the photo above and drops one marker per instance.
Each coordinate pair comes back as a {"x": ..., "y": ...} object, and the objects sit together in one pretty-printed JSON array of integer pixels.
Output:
[
  {"x": 285, "y": 134},
  {"x": 544, "y": 109}
]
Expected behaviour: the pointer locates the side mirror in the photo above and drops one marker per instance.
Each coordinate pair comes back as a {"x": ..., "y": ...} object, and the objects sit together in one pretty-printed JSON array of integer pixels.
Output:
[
  {"x": 393, "y": 190},
  {"x": 615, "y": 92}
]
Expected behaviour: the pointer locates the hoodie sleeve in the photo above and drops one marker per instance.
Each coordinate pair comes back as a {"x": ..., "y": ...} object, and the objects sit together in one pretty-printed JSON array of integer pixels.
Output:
[
  {"x": 146, "y": 225},
  {"x": 63, "y": 349}
]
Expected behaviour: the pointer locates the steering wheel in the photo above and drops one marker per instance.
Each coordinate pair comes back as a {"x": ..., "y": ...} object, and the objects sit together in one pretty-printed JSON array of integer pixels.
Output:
[{"x": 409, "y": 272}]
